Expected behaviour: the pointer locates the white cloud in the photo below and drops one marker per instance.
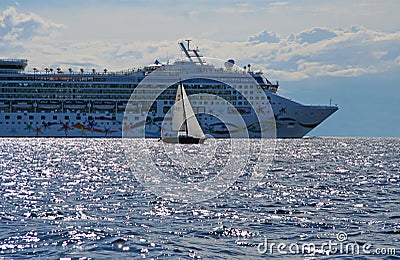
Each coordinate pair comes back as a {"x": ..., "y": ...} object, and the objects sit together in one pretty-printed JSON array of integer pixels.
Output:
[
  {"x": 379, "y": 54},
  {"x": 21, "y": 26},
  {"x": 265, "y": 36},
  {"x": 233, "y": 10},
  {"x": 344, "y": 52},
  {"x": 286, "y": 75},
  {"x": 279, "y": 3},
  {"x": 336, "y": 52},
  {"x": 321, "y": 69},
  {"x": 313, "y": 36}
]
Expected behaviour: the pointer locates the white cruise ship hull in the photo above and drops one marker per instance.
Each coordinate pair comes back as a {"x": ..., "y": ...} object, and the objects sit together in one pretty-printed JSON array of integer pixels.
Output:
[{"x": 100, "y": 125}]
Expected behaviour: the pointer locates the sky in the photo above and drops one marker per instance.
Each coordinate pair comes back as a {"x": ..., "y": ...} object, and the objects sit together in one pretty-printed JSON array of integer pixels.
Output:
[{"x": 345, "y": 51}]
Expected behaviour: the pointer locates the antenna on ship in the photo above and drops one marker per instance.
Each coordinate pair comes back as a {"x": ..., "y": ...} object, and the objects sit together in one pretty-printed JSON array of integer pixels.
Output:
[
  {"x": 193, "y": 55},
  {"x": 188, "y": 43},
  {"x": 167, "y": 55}
]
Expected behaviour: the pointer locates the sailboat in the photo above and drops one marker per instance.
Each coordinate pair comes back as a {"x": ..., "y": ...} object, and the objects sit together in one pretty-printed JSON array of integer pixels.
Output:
[{"x": 185, "y": 127}]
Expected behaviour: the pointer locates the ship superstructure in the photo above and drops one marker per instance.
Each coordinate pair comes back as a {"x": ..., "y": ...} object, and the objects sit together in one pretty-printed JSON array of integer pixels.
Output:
[{"x": 57, "y": 103}]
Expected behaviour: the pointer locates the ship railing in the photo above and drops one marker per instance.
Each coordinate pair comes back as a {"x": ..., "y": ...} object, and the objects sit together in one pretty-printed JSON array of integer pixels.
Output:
[
  {"x": 14, "y": 60},
  {"x": 41, "y": 73}
]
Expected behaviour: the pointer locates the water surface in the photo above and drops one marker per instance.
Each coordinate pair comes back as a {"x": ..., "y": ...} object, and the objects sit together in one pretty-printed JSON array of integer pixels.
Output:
[{"x": 78, "y": 198}]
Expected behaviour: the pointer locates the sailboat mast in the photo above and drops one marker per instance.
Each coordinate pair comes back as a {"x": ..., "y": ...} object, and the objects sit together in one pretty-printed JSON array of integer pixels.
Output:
[{"x": 184, "y": 110}]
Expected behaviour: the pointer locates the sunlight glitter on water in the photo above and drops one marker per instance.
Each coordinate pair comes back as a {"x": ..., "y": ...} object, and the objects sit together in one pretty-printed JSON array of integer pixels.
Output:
[{"x": 78, "y": 198}]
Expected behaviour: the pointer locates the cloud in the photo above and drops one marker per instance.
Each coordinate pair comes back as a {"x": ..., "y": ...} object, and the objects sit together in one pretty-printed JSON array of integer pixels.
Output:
[
  {"x": 21, "y": 26},
  {"x": 265, "y": 36},
  {"x": 228, "y": 10},
  {"x": 321, "y": 69},
  {"x": 313, "y": 36},
  {"x": 279, "y": 3},
  {"x": 237, "y": 9},
  {"x": 337, "y": 52},
  {"x": 344, "y": 52}
]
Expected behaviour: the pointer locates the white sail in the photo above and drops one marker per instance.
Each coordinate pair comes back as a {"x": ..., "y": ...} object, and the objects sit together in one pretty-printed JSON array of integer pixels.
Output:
[
  {"x": 193, "y": 125},
  {"x": 178, "y": 113},
  {"x": 184, "y": 119}
]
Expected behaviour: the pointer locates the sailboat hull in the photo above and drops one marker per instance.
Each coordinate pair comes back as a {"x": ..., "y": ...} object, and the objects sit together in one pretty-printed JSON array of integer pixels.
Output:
[{"x": 183, "y": 140}]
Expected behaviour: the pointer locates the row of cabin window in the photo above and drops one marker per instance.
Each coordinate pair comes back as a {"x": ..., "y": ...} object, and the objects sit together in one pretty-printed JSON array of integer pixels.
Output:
[
  {"x": 43, "y": 117},
  {"x": 72, "y": 123},
  {"x": 19, "y": 117}
]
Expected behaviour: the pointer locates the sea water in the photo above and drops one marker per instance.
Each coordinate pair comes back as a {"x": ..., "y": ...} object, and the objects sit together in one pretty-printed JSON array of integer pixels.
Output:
[{"x": 79, "y": 199}]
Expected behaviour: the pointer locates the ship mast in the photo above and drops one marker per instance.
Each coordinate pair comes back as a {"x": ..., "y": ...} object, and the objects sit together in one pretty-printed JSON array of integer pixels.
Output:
[{"x": 184, "y": 110}]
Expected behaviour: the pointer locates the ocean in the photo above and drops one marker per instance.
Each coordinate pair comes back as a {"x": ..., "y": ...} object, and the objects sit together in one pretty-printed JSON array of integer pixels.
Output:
[{"x": 80, "y": 199}]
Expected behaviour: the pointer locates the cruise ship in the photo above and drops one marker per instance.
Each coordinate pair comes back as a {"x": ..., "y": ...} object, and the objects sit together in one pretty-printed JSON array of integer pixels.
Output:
[{"x": 65, "y": 103}]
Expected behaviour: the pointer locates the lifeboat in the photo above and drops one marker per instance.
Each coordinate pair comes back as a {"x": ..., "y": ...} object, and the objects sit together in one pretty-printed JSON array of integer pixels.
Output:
[
  {"x": 75, "y": 105},
  {"x": 104, "y": 105},
  {"x": 49, "y": 105},
  {"x": 22, "y": 105}
]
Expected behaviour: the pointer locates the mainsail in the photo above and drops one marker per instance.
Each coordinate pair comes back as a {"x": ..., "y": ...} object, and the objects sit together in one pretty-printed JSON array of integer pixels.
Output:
[{"x": 184, "y": 121}]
